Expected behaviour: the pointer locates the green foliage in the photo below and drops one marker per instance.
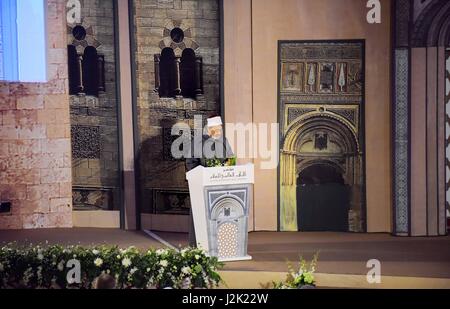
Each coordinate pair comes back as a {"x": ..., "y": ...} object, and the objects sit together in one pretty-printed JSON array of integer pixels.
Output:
[
  {"x": 232, "y": 161},
  {"x": 39, "y": 267},
  {"x": 298, "y": 278},
  {"x": 221, "y": 162}
]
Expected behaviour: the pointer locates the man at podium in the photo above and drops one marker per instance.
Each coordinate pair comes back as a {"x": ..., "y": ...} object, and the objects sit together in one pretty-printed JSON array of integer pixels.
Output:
[{"x": 215, "y": 151}]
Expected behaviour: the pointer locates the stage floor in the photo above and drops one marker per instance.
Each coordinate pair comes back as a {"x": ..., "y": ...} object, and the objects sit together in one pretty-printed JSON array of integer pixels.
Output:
[
  {"x": 343, "y": 253},
  {"x": 339, "y": 253},
  {"x": 80, "y": 236}
]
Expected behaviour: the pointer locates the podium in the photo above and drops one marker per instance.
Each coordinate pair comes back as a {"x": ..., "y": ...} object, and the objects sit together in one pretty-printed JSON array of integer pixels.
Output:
[{"x": 220, "y": 201}]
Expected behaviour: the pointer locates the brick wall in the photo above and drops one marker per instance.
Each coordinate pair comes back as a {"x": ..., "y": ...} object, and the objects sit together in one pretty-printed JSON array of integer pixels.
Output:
[{"x": 35, "y": 154}]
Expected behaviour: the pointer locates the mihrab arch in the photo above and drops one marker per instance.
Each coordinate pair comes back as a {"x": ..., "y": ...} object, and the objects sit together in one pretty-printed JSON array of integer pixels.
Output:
[{"x": 321, "y": 138}]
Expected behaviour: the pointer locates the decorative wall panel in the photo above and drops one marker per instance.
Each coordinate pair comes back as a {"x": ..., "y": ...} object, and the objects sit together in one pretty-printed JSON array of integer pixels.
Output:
[
  {"x": 401, "y": 131},
  {"x": 179, "y": 26},
  {"x": 447, "y": 133},
  {"x": 227, "y": 220},
  {"x": 321, "y": 96},
  {"x": 85, "y": 142},
  {"x": 93, "y": 198},
  {"x": 93, "y": 115},
  {"x": 171, "y": 202}
]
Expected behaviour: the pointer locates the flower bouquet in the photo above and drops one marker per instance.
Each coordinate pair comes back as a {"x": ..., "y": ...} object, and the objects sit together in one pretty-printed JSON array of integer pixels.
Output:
[
  {"x": 221, "y": 162},
  {"x": 301, "y": 278}
]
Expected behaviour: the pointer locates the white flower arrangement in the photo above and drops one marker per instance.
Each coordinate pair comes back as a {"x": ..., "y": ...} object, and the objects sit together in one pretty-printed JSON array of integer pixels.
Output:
[
  {"x": 126, "y": 262},
  {"x": 186, "y": 270},
  {"x": 164, "y": 263},
  {"x": 35, "y": 267},
  {"x": 300, "y": 278},
  {"x": 98, "y": 262},
  {"x": 161, "y": 252},
  {"x": 133, "y": 270}
]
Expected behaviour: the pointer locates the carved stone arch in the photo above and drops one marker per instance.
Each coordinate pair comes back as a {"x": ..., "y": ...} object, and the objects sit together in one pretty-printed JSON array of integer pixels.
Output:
[
  {"x": 348, "y": 162},
  {"x": 431, "y": 27},
  {"x": 178, "y": 47},
  {"x": 336, "y": 136},
  {"x": 229, "y": 224},
  {"x": 332, "y": 162},
  {"x": 325, "y": 161},
  {"x": 88, "y": 40},
  {"x": 439, "y": 28},
  {"x": 86, "y": 60},
  {"x": 226, "y": 202},
  {"x": 444, "y": 35},
  {"x": 303, "y": 125}
]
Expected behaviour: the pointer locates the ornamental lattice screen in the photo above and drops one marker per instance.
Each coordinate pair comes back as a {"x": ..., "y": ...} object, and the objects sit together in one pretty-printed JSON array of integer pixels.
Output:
[{"x": 321, "y": 95}]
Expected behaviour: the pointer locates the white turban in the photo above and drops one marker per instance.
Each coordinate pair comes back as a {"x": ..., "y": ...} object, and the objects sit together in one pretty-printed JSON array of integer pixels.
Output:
[{"x": 214, "y": 122}]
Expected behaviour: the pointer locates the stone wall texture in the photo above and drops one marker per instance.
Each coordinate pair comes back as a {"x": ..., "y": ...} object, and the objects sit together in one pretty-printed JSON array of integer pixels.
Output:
[
  {"x": 96, "y": 184},
  {"x": 162, "y": 180},
  {"x": 35, "y": 153},
  {"x": 1, "y": 50}
]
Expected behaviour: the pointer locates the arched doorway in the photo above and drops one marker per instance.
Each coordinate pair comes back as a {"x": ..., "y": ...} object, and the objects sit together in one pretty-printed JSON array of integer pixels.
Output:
[
  {"x": 321, "y": 173},
  {"x": 323, "y": 199},
  {"x": 321, "y": 96}
]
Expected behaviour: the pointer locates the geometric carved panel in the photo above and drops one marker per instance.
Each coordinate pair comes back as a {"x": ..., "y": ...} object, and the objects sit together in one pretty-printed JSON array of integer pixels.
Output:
[
  {"x": 85, "y": 142},
  {"x": 171, "y": 201},
  {"x": 401, "y": 146},
  {"x": 321, "y": 50},
  {"x": 447, "y": 133},
  {"x": 295, "y": 113},
  {"x": 227, "y": 220},
  {"x": 321, "y": 69},
  {"x": 227, "y": 240},
  {"x": 326, "y": 73},
  {"x": 92, "y": 198},
  {"x": 402, "y": 21},
  {"x": 293, "y": 74},
  {"x": 349, "y": 112}
]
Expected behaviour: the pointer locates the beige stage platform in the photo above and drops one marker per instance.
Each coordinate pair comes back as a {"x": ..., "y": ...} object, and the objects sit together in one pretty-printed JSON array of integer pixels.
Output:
[
  {"x": 405, "y": 262},
  {"x": 80, "y": 236}
]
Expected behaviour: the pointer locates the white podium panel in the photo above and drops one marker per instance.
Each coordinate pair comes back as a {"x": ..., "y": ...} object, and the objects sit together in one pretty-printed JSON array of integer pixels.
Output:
[{"x": 220, "y": 201}]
